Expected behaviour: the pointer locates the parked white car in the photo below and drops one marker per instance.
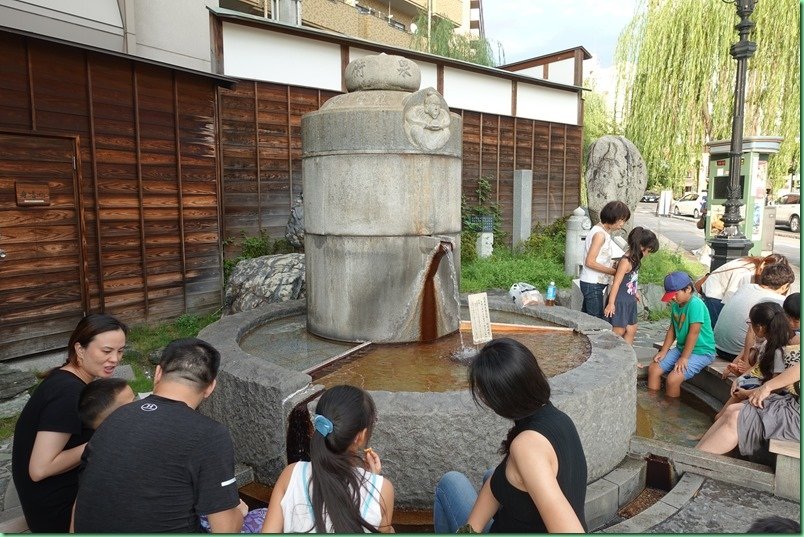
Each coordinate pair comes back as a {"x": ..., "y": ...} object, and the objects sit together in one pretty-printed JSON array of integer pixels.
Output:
[
  {"x": 692, "y": 203},
  {"x": 788, "y": 211}
]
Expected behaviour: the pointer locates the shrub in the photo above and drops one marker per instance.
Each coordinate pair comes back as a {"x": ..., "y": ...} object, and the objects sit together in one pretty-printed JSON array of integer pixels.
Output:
[
  {"x": 658, "y": 265},
  {"x": 548, "y": 241},
  {"x": 540, "y": 261},
  {"x": 468, "y": 246}
]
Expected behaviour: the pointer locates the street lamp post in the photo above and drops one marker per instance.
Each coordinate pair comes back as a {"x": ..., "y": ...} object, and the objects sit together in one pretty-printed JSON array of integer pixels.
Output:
[{"x": 730, "y": 243}]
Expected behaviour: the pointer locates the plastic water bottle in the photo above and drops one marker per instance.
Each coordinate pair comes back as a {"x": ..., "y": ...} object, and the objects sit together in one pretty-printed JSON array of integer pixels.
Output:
[{"x": 550, "y": 295}]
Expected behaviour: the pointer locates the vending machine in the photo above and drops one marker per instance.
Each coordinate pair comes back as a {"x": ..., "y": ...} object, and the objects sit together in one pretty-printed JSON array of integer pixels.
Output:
[{"x": 753, "y": 189}]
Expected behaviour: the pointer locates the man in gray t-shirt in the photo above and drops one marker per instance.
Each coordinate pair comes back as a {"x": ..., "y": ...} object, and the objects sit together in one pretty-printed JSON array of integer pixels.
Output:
[
  {"x": 156, "y": 465},
  {"x": 731, "y": 331}
]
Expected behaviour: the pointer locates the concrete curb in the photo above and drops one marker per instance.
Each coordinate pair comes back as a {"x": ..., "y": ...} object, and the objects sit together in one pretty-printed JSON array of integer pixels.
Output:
[{"x": 686, "y": 488}]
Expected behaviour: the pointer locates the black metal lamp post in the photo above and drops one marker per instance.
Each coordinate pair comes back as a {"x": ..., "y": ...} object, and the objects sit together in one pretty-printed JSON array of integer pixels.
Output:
[{"x": 730, "y": 243}]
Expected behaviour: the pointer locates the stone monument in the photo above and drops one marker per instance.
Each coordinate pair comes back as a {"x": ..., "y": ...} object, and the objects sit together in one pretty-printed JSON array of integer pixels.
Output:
[
  {"x": 615, "y": 171},
  {"x": 382, "y": 195}
]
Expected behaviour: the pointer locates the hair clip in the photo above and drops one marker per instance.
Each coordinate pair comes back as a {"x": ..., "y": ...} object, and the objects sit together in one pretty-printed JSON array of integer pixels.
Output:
[{"x": 322, "y": 424}]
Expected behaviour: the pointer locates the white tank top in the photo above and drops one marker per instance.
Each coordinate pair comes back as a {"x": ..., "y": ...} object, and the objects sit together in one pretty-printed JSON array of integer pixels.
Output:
[
  {"x": 297, "y": 507},
  {"x": 589, "y": 275}
]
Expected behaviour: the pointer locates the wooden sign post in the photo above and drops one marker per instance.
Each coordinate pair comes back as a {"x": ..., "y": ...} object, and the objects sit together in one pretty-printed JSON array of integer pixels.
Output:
[{"x": 479, "y": 317}]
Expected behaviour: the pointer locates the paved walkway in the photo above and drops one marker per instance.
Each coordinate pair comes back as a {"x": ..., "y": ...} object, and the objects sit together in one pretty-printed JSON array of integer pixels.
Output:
[{"x": 724, "y": 508}]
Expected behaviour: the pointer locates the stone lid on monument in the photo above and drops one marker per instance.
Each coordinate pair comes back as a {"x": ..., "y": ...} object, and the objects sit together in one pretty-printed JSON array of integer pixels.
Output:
[{"x": 382, "y": 72}]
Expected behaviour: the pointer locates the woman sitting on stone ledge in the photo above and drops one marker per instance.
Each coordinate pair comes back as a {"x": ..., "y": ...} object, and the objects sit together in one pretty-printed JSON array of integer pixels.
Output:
[
  {"x": 540, "y": 485},
  {"x": 770, "y": 411}
]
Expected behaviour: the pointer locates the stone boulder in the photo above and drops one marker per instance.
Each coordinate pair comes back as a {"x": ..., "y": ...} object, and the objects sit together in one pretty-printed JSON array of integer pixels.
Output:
[
  {"x": 11, "y": 407},
  {"x": 651, "y": 295},
  {"x": 14, "y": 382},
  {"x": 265, "y": 280},
  {"x": 615, "y": 171},
  {"x": 294, "y": 230}
]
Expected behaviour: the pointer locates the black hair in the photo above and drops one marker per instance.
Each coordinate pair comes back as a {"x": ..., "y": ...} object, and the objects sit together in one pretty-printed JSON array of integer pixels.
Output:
[
  {"x": 774, "y": 524},
  {"x": 614, "y": 211},
  {"x": 776, "y": 275},
  {"x": 778, "y": 332},
  {"x": 792, "y": 306},
  {"x": 86, "y": 330},
  {"x": 191, "y": 360},
  {"x": 638, "y": 239},
  {"x": 506, "y": 377},
  {"x": 335, "y": 486},
  {"x": 297, "y": 439},
  {"x": 96, "y": 398}
]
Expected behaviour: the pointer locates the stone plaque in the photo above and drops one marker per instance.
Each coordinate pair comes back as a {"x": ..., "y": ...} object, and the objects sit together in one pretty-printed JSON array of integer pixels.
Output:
[{"x": 32, "y": 194}]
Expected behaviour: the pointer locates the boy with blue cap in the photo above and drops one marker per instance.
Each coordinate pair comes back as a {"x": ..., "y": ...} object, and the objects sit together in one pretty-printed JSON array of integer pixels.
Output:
[{"x": 690, "y": 326}]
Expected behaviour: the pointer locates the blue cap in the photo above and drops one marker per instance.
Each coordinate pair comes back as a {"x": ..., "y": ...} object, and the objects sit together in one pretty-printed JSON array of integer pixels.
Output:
[{"x": 675, "y": 282}]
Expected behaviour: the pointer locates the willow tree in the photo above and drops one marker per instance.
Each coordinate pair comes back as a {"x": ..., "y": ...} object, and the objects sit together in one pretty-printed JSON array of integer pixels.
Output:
[
  {"x": 676, "y": 79},
  {"x": 443, "y": 40}
]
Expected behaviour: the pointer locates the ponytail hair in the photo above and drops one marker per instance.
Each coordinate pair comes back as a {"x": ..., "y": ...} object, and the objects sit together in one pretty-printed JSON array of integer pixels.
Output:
[
  {"x": 638, "y": 239},
  {"x": 335, "y": 484},
  {"x": 771, "y": 317}
]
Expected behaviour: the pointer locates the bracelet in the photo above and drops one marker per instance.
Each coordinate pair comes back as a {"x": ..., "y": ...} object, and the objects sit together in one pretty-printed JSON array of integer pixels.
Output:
[{"x": 466, "y": 528}]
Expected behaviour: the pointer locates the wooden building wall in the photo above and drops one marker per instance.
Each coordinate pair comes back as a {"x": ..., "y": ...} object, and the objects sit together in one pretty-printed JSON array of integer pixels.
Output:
[
  {"x": 261, "y": 154},
  {"x": 133, "y": 227}
]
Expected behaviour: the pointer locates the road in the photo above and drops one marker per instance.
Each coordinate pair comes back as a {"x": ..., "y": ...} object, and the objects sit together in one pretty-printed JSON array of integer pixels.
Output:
[{"x": 682, "y": 231}]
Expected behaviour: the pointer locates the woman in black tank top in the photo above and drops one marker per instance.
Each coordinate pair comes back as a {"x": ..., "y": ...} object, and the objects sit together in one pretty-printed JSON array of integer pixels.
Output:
[{"x": 540, "y": 485}]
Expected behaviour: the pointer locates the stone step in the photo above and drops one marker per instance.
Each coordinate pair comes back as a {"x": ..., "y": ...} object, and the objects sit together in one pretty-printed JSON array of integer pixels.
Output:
[{"x": 686, "y": 459}]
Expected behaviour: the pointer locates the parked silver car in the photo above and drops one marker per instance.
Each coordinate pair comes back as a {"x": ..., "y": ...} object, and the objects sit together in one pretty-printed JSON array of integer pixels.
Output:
[
  {"x": 788, "y": 211},
  {"x": 692, "y": 203}
]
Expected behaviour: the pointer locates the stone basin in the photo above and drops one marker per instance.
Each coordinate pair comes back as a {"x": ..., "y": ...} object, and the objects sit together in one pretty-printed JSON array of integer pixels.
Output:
[{"x": 422, "y": 435}]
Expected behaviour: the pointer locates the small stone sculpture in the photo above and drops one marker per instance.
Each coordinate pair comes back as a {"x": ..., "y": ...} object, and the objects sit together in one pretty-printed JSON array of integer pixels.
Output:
[
  {"x": 427, "y": 120},
  {"x": 615, "y": 171}
]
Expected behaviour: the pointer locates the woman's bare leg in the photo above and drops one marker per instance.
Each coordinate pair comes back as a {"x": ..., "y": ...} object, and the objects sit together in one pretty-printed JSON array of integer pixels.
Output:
[
  {"x": 726, "y": 405},
  {"x": 722, "y": 435}
]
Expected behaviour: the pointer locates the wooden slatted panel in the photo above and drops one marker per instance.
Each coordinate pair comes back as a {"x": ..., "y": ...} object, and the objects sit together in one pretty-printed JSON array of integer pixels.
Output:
[
  {"x": 147, "y": 172},
  {"x": 197, "y": 136},
  {"x": 118, "y": 211},
  {"x": 541, "y": 152},
  {"x": 261, "y": 141},
  {"x": 238, "y": 140},
  {"x": 471, "y": 156},
  {"x": 273, "y": 113},
  {"x": 505, "y": 172},
  {"x": 15, "y": 104},
  {"x": 40, "y": 277}
]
